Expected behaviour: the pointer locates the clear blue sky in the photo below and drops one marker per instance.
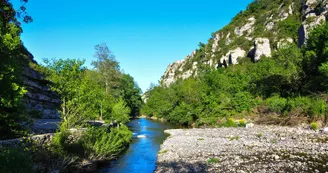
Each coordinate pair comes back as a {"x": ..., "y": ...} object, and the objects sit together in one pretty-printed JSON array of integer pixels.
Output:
[{"x": 145, "y": 35}]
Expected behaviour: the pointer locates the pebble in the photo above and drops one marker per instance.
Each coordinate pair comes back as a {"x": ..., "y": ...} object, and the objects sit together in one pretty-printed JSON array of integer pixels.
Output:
[{"x": 295, "y": 149}]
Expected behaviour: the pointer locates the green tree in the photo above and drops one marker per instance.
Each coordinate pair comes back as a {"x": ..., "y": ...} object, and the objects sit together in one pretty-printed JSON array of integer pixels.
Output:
[
  {"x": 131, "y": 94},
  {"x": 11, "y": 85},
  {"x": 109, "y": 69},
  {"x": 66, "y": 77}
]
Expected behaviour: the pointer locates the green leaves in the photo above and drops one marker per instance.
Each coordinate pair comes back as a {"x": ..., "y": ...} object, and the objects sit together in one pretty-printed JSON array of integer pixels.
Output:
[{"x": 120, "y": 112}]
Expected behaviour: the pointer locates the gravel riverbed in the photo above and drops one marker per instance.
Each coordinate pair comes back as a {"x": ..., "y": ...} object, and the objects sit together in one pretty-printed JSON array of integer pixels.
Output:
[{"x": 256, "y": 149}]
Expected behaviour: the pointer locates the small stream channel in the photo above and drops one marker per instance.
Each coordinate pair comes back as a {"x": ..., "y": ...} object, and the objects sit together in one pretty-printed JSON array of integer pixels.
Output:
[{"x": 141, "y": 155}]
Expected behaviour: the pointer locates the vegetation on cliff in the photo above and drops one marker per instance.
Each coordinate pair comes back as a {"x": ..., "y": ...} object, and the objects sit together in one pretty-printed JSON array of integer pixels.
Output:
[{"x": 288, "y": 88}]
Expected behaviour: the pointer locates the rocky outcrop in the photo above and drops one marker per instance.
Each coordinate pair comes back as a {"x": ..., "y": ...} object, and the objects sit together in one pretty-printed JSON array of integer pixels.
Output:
[
  {"x": 247, "y": 28},
  {"x": 221, "y": 48},
  {"x": 40, "y": 140},
  {"x": 262, "y": 48},
  {"x": 314, "y": 13},
  {"x": 41, "y": 103},
  {"x": 216, "y": 43},
  {"x": 232, "y": 57},
  {"x": 228, "y": 40},
  {"x": 284, "y": 42},
  {"x": 169, "y": 75}
]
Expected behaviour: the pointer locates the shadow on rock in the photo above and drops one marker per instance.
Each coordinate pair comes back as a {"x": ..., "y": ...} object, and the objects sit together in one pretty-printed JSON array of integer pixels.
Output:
[{"x": 181, "y": 167}]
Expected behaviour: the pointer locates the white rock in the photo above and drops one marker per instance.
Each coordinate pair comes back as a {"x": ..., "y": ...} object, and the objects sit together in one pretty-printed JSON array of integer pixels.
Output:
[
  {"x": 235, "y": 54},
  {"x": 284, "y": 42},
  {"x": 262, "y": 48},
  {"x": 194, "y": 65},
  {"x": 186, "y": 74},
  {"x": 290, "y": 8},
  {"x": 248, "y": 27},
  {"x": 228, "y": 41},
  {"x": 249, "y": 125},
  {"x": 216, "y": 42},
  {"x": 308, "y": 26},
  {"x": 232, "y": 56},
  {"x": 269, "y": 26}
]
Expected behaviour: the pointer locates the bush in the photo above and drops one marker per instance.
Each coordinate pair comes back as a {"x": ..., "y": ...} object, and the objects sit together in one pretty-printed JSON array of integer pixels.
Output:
[
  {"x": 94, "y": 143},
  {"x": 230, "y": 123},
  {"x": 243, "y": 101},
  {"x": 15, "y": 160},
  {"x": 60, "y": 140},
  {"x": 276, "y": 104},
  {"x": 311, "y": 107},
  {"x": 242, "y": 123},
  {"x": 98, "y": 143},
  {"x": 314, "y": 126},
  {"x": 182, "y": 114}
]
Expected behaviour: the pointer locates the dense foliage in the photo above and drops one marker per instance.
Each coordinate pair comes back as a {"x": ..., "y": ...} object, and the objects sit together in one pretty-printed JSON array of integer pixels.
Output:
[
  {"x": 289, "y": 88},
  {"x": 11, "y": 86},
  {"x": 103, "y": 93}
]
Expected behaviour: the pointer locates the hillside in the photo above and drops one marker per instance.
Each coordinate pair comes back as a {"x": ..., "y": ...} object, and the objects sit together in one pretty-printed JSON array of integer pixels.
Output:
[
  {"x": 264, "y": 27},
  {"x": 267, "y": 66}
]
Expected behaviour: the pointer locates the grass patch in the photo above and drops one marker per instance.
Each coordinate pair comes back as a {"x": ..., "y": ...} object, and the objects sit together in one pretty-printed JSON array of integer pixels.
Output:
[
  {"x": 234, "y": 138},
  {"x": 201, "y": 139},
  {"x": 213, "y": 160},
  {"x": 163, "y": 151}
]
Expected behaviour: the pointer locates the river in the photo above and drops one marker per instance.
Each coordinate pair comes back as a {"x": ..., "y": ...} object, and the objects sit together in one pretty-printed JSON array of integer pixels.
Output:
[{"x": 141, "y": 155}]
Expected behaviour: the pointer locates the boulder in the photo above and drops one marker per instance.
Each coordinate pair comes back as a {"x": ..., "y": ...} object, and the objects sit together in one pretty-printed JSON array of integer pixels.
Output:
[
  {"x": 232, "y": 57},
  {"x": 262, "y": 48},
  {"x": 249, "y": 125}
]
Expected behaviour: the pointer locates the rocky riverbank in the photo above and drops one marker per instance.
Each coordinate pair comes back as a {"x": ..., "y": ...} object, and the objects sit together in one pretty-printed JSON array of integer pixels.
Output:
[{"x": 256, "y": 149}]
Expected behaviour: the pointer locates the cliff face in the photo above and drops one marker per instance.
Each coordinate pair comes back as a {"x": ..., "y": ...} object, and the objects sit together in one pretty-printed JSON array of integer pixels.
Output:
[
  {"x": 41, "y": 103},
  {"x": 264, "y": 27}
]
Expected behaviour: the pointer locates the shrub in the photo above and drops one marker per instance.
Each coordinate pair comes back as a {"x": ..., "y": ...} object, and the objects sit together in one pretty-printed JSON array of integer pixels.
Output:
[
  {"x": 242, "y": 123},
  {"x": 314, "y": 126},
  {"x": 15, "y": 160},
  {"x": 60, "y": 141},
  {"x": 276, "y": 104},
  {"x": 230, "y": 123},
  {"x": 243, "y": 101},
  {"x": 311, "y": 107},
  {"x": 98, "y": 143}
]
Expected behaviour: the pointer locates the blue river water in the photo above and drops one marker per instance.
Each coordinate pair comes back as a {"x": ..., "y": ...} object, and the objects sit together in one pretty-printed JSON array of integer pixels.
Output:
[{"x": 141, "y": 155}]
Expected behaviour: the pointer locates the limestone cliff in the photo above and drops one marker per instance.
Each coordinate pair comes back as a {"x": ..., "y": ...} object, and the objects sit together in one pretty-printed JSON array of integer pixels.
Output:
[
  {"x": 264, "y": 27},
  {"x": 41, "y": 103}
]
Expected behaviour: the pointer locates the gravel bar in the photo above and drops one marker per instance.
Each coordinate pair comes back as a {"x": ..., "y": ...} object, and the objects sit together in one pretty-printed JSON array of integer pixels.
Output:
[{"x": 256, "y": 149}]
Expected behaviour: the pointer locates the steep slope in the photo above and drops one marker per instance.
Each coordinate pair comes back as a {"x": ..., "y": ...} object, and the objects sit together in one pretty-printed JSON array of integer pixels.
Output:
[
  {"x": 40, "y": 102},
  {"x": 264, "y": 27}
]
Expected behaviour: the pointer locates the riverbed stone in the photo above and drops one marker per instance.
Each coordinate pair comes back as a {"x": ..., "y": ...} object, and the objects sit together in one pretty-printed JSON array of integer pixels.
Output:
[{"x": 277, "y": 149}]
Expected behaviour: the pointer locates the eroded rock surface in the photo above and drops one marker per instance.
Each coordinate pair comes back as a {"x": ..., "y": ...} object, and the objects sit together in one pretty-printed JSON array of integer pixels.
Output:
[{"x": 262, "y": 48}]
